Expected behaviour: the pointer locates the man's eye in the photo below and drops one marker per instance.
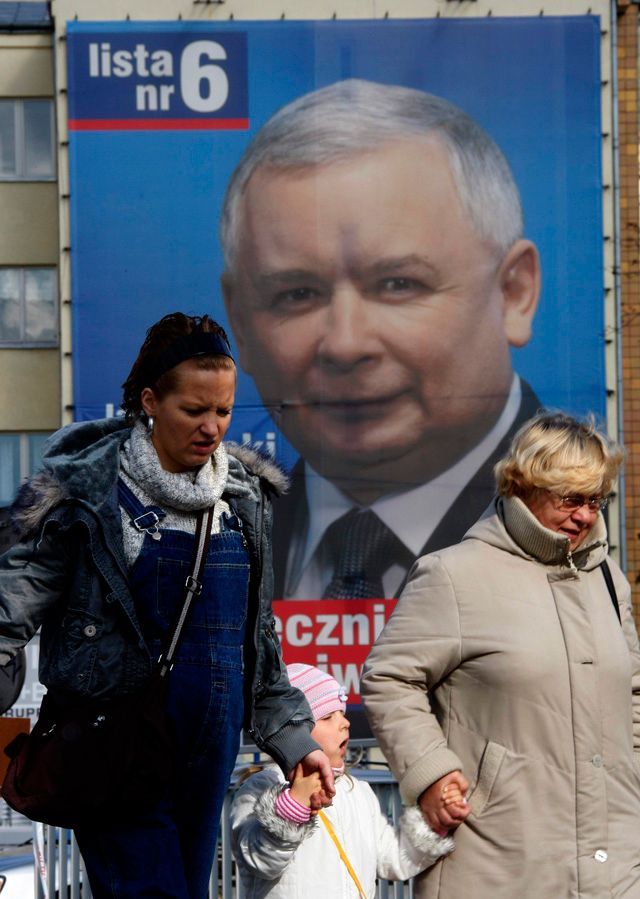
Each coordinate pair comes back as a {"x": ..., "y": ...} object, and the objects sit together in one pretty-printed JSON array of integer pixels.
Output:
[
  {"x": 400, "y": 285},
  {"x": 295, "y": 296}
]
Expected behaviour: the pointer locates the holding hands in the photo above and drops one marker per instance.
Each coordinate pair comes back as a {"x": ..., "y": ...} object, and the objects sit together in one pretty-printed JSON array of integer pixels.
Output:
[
  {"x": 313, "y": 776},
  {"x": 304, "y": 786},
  {"x": 443, "y": 804}
]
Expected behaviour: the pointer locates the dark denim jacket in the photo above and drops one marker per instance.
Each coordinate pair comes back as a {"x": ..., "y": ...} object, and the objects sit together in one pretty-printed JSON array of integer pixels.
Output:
[{"x": 68, "y": 574}]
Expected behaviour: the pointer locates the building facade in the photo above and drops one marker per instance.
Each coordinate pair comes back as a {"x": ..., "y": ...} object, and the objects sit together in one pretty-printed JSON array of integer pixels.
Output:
[{"x": 30, "y": 362}]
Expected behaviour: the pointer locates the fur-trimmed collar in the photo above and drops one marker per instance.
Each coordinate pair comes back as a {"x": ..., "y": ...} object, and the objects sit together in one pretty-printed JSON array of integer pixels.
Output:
[
  {"x": 260, "y": 465},
  {"x": 81, "y": 461},
  {"x": 34, "y": 500}
]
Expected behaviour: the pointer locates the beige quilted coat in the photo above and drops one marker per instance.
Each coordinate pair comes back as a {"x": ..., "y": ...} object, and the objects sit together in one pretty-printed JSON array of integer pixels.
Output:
[{"x": 505, "y": 658}]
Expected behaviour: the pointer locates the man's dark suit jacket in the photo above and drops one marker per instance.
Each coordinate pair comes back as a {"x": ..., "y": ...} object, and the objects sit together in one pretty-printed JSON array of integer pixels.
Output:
[{"x": 290, "y": 512}]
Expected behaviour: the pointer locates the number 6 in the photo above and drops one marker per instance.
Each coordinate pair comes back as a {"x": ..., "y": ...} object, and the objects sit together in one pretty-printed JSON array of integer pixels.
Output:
[{"x": 204, "y": 87}]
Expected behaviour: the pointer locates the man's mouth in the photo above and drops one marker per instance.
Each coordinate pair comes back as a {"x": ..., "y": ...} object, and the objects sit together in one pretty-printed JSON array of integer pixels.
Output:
[
  {"x": 351, "y": 399},
  {"x": 352, "y": 406}
]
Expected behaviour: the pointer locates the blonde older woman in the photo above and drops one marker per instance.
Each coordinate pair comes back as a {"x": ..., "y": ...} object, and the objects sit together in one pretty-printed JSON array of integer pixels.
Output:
[{"x": 506, "y": 668}]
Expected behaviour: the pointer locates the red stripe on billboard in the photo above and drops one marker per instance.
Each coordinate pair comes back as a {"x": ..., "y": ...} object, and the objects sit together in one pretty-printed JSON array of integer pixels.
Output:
[{"x": 158, "y": 124}]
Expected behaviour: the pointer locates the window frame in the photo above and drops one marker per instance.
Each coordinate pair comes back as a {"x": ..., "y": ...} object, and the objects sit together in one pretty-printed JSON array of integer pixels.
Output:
[
  {"x": 20, "y": 143},
  {"x": 29, "y": 343},
  {"x": 29, "y": 460}
]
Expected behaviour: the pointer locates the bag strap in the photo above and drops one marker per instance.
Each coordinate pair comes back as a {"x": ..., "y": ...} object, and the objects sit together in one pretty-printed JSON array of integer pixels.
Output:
[
  {"x": 343, "y": 854},
  {"x": 192, "y": 588},
  {"x": 606, "y": 573}
]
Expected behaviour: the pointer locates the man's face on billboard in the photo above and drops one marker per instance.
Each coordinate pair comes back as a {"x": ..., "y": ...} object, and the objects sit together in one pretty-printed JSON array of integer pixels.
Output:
[{"x": 365, "y": 304}]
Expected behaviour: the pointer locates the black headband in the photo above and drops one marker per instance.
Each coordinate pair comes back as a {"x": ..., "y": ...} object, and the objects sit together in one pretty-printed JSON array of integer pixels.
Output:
[{"x": 197, "y": 343}]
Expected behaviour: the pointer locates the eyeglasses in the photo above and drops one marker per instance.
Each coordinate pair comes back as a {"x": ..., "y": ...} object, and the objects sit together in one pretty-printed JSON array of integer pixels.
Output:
[{"x": 571, "y": 502}]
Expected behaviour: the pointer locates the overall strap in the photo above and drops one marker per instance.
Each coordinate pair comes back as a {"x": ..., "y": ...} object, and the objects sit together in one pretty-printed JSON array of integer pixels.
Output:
[
  {"x": 192, "y": 588},
  {"x": 143, "y": 518},
  {"x": 343, "y": 854},
  {"x": 606, "y": 573}
]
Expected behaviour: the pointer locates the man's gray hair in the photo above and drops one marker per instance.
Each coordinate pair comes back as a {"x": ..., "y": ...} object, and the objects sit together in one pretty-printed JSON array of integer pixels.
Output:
[{"x": 349, "y": 117}]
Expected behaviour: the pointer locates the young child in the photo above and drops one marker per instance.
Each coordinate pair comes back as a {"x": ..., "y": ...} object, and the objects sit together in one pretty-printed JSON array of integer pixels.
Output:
[{"x": 283, "y": 849}]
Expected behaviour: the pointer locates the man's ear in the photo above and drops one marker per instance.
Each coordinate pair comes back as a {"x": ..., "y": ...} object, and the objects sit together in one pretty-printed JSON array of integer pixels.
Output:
[
  {"x": 519, "y": 280},
  {"x": 233, "y": 305}
]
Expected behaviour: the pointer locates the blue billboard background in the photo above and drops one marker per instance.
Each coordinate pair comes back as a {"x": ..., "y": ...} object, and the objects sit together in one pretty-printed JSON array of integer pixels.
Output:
[{"x": 145, "y": 203}]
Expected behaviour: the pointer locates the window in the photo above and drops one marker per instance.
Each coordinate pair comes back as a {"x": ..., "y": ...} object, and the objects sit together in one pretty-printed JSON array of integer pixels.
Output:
[
  {"x": 26, "y": 140},
  {"x": 28, "y": 307},
  {"x": 20, "y": 457}
]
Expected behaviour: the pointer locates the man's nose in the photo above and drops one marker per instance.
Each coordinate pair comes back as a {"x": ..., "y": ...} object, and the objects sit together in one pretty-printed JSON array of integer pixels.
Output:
[{"x": 347, "y": 336}]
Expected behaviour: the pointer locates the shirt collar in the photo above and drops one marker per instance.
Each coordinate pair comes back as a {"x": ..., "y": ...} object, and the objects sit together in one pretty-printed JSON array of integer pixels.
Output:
[{"x": 427, "y": 503}]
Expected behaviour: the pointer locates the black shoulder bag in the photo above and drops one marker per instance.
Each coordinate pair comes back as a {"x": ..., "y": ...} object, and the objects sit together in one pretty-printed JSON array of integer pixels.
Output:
[
  {"x": 91, "y": 761},
  {"x": 606, "y": 574}
]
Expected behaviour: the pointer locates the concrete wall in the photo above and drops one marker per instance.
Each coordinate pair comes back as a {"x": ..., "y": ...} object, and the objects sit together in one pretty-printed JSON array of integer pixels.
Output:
[
  {"x": 26, "y": 65},
  {"x": 29, "y": 223},
  {"x": 30, "y": 396}
]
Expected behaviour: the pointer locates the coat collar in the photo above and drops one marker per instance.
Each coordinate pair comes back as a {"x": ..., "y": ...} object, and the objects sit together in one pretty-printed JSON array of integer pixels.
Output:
[{"x": 509, "y": 524}]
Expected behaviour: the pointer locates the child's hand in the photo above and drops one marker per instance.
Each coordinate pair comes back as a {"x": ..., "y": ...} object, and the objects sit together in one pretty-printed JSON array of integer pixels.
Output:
[
  {"x": 451, "y": 794},
  {"x": 453, "y": 800},
  {"x": 318, "y": 761},
  {"x": 303, "y": 787},
  {"x": 443, "y": 804}
]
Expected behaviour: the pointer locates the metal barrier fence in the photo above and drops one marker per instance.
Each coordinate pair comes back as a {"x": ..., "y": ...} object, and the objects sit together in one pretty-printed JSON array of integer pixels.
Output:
[{"x": 59, "y": 870}]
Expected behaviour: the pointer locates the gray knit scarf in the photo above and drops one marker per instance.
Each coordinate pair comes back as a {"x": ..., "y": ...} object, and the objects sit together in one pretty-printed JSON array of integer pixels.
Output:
[
  {"x": 181, "y": 495},
  {"x": 186, "y": 491}
]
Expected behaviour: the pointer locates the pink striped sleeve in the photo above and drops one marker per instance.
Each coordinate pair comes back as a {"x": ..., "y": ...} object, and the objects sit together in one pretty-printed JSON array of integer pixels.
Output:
[{"x": 290, "y": 809}]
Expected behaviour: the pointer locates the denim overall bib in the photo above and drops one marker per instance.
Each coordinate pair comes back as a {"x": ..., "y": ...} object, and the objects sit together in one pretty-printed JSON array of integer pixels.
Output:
[{"x": 169, "y": 851}]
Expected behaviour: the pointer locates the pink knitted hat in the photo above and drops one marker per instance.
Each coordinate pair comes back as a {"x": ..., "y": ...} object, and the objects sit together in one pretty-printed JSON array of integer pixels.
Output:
[{"x": 323, "y": 692}]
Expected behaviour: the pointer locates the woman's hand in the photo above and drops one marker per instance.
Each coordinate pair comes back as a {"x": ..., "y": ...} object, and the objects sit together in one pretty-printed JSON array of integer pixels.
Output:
[
  {"x": 443, "y": 804},
  {"x": 317, "y": 762}
]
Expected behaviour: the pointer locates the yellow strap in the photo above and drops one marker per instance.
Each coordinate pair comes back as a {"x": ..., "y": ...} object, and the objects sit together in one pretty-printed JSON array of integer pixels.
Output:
[{"x": 343, "y": 854}]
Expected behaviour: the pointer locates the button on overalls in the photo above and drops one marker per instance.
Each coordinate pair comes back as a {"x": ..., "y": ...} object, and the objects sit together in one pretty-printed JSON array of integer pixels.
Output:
[{"x": 168, "y": 852}]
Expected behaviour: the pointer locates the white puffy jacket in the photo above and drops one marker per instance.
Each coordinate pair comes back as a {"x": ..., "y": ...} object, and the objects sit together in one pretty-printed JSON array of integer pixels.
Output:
[{"x": 278, "y": 859}]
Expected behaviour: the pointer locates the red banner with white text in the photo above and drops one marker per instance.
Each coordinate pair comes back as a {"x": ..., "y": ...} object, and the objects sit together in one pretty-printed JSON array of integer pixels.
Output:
[{"x": 332, "y": 634}]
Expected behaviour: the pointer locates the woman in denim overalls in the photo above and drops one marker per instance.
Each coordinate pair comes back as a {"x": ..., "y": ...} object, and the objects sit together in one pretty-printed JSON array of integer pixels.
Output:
[{"x": 137, "y": 487}]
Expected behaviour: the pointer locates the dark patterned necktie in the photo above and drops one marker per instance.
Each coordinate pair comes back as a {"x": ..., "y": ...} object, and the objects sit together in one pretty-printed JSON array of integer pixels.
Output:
[{"x": 361, "y": 548}]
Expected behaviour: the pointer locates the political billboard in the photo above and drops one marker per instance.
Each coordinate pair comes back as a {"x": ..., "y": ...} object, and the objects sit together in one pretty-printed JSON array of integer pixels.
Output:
[{"x": 393, "y": 325}]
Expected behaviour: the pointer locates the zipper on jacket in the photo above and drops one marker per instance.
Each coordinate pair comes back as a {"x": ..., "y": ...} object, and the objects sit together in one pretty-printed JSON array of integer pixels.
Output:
[{"x": 572, "y": 564}]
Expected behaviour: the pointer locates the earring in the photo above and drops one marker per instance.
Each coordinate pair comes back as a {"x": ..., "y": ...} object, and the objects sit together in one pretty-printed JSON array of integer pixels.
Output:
[{"x": 150, "y": 424}]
